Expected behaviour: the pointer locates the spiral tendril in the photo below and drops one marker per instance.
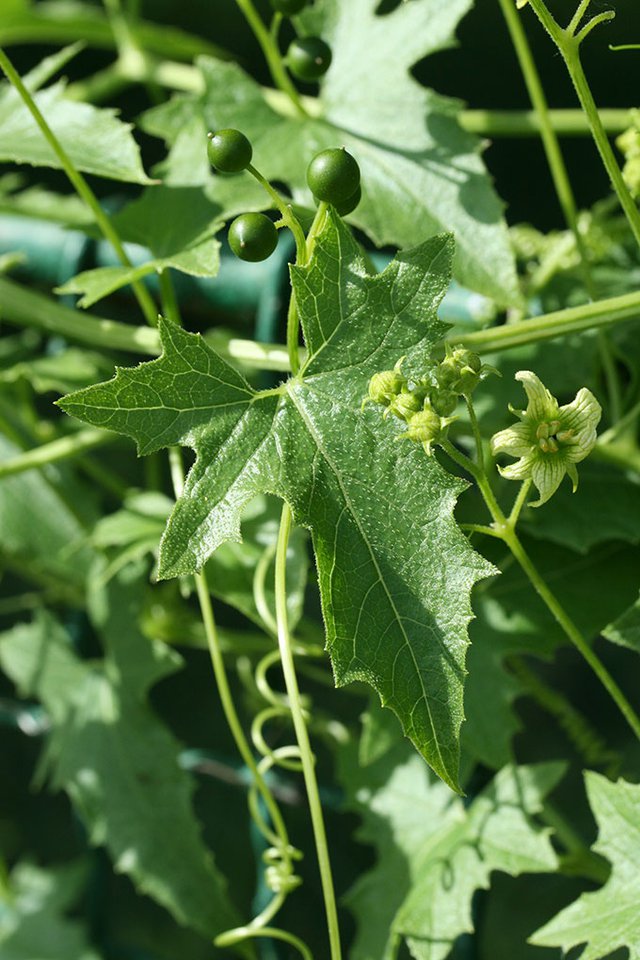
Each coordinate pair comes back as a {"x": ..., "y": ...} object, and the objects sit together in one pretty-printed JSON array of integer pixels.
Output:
[{"x": 281, "y": 856}]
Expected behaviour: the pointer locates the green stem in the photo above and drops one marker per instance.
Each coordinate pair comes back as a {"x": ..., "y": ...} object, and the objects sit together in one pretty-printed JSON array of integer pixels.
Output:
[
  {"x": 569, "y": 47},
  {"x": 506, "y": 530},
  {"x": 62, "y": 449},
  {"x": 519, "y": 503},
  {"x": 561, "y": 182},
  {"x": 570, "y": 629},
  {"x": 526, "y": 123},
  {"x": 302, "y": 736},
  {"x": 80, "y": 185},
  {"x": 584, "y": 862},
  {"x": 220, "y": 672},
  {"x": 271, "y": 52},
  {"x": 291, "y": 221},
  {"x": 481, "y": 479},
  {"x": 578, "y": 15},
  {"x": 589, "y": 316},
  {"x": 477, "y": 435}
]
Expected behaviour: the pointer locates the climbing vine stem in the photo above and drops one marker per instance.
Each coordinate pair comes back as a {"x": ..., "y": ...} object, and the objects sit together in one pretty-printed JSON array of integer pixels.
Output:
[
  {"x": 504, "y": 528},
  {"x": 568, "y": 43},
  {"x": 267, "y": 41},
  {"x": 561, "y": 182},
  {"x": 300, "y": 726}
]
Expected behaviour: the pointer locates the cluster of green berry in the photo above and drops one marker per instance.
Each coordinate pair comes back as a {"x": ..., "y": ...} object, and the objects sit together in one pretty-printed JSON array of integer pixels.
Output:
[
  {"x": 427, "y": 404},
  {"x": 333, "y": 176},
  {"x": 308, "y": 58}
]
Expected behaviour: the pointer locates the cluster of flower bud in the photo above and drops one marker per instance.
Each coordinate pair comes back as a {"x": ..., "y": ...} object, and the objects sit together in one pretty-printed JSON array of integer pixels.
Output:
[
  {"x": 629, "y": 144},
  {"x": 426, "y": 405}
]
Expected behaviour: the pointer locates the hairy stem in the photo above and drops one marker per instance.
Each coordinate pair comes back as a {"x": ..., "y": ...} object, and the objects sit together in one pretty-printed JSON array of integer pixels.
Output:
[
  {"x": 561, "y": 182},
  {"x": 302, "y": 735},
  {"x": 80, "y": 185},
  {"x": 571, "y": 630},
  {"x": 505, "y": 529},
  {"x": 569, "y": 47}
]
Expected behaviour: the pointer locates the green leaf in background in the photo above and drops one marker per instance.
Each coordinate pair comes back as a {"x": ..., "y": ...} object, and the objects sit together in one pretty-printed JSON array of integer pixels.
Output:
[
  {"x": 118, "y": 763},
  {"x": 606, "y": 506},
  {"x": 33, "y": 921},
  {"x": 433, "y": 852},
  {"x": 512, "y": 621},
  {"x": 174, "y": 227},
  {"x": 70, "y": 369},
  {"x": 94, "y": 139},
  {"x": 609, "y": 918},
  {"x": 235, "y": 568},
  {"x": 421, "y": 173},
  {"x": 42, "y": 535},
  {"x": 395, "y": 591},
  {"x": 625, "y": 631}
]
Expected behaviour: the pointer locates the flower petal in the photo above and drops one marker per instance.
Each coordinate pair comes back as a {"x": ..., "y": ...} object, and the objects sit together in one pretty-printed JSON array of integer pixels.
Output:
[
  {"x": 573, "y": 475},
  {"x": 547, "y": 474},
  {"x": 515, "y": 440},
  {"x": 521, "y": 470},
  {"x": 582, "y": 413},
  {"x": 542, "y": 406}
]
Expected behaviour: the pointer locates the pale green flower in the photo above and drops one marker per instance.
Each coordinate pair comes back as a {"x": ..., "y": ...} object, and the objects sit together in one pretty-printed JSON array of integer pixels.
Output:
[{"x": 550, "y": 439}]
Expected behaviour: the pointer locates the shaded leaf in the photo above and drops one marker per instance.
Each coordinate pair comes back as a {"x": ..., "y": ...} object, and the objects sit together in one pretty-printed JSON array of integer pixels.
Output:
[
  {"x": 609, "y": 918},
  {"x": 118, "y": 763},
  {"x": 32, "y": 919},
  {"x": 434, "y": 853},
  {"x": 93, "y": 138},
  {"x": 625, "y": 631},
  {"x": 421, "y": 173}
]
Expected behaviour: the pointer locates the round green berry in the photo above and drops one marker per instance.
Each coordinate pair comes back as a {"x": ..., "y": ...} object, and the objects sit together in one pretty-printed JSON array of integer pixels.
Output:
[
  {"x": 288, "y": 8},
  {"x": 229, "y": 151},
  {"x": 333, "y": 176},
  {"x": 348, "y": 206},
  {"x": 308, "y": 58},
  {"x": 253, "y": 237}
]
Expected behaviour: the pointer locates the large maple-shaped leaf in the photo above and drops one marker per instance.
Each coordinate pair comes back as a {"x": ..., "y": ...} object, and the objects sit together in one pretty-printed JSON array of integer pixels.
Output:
[
  {"x": 395, "y": 572},
  {"x": 609, "y": 918},
  {"x": 421, "y": 173}
]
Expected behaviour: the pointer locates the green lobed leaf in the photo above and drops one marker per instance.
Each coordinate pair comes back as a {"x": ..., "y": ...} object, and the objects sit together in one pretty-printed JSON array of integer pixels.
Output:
[
  {"x": 42, "y": 533},
  {"x": 32, "y": 918},
  {"x": 93, "y": 138},
  {"x": 433, "y": 852},
  {"x": 395, "y": 590},
  {"x": 118, "y": 763},
  {"x": 609, "y": 918},
  {"x": 421, "y": 173},
  {"x": 625, "y": 631}
]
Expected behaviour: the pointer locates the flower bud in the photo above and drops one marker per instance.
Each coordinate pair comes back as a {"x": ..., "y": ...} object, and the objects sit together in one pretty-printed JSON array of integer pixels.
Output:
[
  {"x": 384, "y": 386},
  {"x": 425, "y": 427},
  {"x": 405, "y": 405}
]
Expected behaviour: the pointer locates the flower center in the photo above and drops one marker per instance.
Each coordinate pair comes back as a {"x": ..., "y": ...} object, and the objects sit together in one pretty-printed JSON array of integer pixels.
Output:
[{"x": 550, "y": 437}]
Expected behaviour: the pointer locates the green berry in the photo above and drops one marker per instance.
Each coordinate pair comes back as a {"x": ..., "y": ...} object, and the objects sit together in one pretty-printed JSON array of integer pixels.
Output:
[
  {"x": 333, "y": 176},
  {"x": 229, "y": 151},
  {"x": 348, "y": 206},
  {"x": 288, "y": 8},
  {"x": 308, "y": 58},
  {"x": 253, "y": 237}
]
